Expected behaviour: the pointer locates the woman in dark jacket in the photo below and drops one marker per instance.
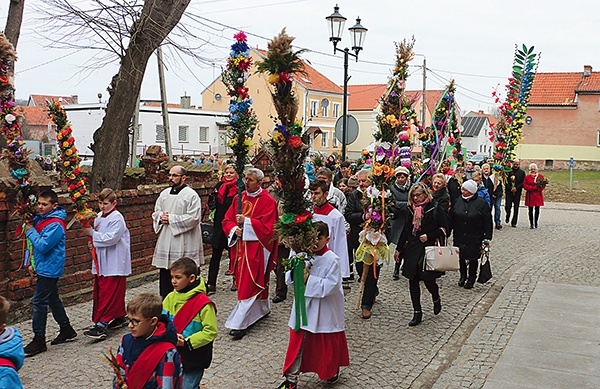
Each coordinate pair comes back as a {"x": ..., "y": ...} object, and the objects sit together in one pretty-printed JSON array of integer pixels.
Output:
[
  {"x": 425, "y": 223},
  {"x": 471, "y": 221},
  {"x": 219, "y": 201},
  {"x": 440, "y": 192}
]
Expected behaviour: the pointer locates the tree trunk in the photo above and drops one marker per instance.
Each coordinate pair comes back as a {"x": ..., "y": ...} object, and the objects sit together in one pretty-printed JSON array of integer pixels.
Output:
[
  {"x": 14, "y": 20},
  {"x": 111, "y": 140}
]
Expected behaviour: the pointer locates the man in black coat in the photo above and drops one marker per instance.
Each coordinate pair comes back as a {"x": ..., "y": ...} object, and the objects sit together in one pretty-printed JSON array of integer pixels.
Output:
[
  {"x": 514, "y": 188},
  {"x": 471, "y": 221}
]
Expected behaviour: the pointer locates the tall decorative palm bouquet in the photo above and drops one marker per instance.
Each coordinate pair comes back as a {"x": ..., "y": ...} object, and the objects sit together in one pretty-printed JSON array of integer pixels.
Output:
[
  {"x": 443, "y": 131},
  {"x": 70, "y": 170},
  {"x": 508, "y": 132},
  {"x": 289, "y": 146},
  {"x": 394, "y": 140},
  {"x": 241, "y": 116},
  {"x": 15, "y": 152}
]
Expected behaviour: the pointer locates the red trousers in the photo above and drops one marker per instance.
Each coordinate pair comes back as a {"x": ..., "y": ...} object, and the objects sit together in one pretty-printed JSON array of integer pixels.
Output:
[{"x": 108, "y": 298}]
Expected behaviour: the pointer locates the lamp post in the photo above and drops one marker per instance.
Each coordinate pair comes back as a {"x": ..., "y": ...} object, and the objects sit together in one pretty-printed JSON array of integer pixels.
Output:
[{"x": 358, "y": 33}]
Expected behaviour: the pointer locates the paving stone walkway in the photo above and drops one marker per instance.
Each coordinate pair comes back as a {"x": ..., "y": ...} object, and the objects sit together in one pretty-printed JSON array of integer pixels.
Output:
[{"x": 457, "y": 349}]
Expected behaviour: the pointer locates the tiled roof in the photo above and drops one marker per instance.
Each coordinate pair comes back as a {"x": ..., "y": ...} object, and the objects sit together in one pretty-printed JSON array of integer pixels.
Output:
[
  {"x": 41, "y": 101},
  {"x": 365, "y": 97},
  {"x": 432, "y": 97},
  {"x": 561, "y": 88},
  {"x": 472, "y": 125},
  {"x": 34, "y": 116},
  {"x": 491, "y": 118},
  {"x": 313, "y": 80}
]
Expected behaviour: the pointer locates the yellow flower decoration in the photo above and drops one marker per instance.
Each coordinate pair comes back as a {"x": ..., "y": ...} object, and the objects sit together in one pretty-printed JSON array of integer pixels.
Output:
[{"x": 273, "y": 78}]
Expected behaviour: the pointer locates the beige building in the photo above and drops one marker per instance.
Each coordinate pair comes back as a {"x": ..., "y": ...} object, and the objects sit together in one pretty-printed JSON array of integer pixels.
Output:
[{"x": 320, "y": 102}]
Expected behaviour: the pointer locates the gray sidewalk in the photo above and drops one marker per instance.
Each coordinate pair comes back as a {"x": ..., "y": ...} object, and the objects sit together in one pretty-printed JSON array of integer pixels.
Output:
[
  {"x": 459, "y": 348},
  {"x": 556, "y": 343}
]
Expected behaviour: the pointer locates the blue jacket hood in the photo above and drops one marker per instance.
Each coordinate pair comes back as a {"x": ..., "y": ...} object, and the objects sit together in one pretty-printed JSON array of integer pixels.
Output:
[{"x": 11, "y": 346}]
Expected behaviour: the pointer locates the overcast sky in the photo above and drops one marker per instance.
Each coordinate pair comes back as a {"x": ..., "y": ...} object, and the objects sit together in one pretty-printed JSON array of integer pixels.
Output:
[{"x": 470, "y": 41}]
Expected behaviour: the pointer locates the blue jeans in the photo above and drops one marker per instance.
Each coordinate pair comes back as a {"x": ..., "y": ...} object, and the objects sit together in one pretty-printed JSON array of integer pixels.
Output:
[
  {"x": 191, "y": 380},
  {"x": 44, "y": 296},
  {"x": 497, "y": 207}
]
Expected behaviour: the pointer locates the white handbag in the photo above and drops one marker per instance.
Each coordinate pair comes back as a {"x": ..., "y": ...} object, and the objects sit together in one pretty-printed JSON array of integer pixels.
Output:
[{"x": 441, "y": 258}]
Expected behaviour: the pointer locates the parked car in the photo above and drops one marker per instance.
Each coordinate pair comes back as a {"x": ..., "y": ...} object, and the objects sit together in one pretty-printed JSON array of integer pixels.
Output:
[{"x": 479, "y": 159}]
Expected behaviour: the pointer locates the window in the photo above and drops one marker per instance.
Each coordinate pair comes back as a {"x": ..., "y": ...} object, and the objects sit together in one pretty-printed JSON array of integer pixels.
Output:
[
  {"x": 325, "y": 111},
  {"x": 325, "y": 139},
  {"x": 336, "y": 110},
  {"x": 334, "y": 140},
  {"x": 598, "y": 140},
  {"x": 203, "y": 134},
  {"x": 160, "y": 133},
  {"x": 184, "y": 134},
  {"x": 314, "y": 108}
]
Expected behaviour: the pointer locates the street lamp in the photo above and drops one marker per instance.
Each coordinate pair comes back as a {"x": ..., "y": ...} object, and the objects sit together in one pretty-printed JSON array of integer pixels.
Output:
[{"x": 358, "y": 33}]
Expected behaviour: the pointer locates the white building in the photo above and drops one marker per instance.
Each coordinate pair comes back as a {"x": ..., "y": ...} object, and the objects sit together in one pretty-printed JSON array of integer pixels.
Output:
[
  {"x": 192, "y": 130},
  {"x": 475, "y": 136}
]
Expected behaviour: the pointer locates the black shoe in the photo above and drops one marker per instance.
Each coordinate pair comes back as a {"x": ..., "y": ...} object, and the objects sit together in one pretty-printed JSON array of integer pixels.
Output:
[
  {"x": 237, "y": 334},
  {"x": 96, "y": 333},
  {"x": 462, "y": 281},
  {"x": 210, "y": 290},
  {"x": 351, "y": 278},
  {"x": 64, "y": 335},
  {"x": 119, "y": 322},
  {"x": 278, "y": 299},
  {"x": 287, "y": 385},
  {"x": 437, "y": 307},
  {"x": 498, "y": 226},
  {"x": 396, "y": 276},
  {"x": 514, "y": 225},
  {"x": 469, "y": 284},
  {"x": 535, "y": 225},
  {"x": 36, "y": 346},
  {"x": 334, "y": 379},
  {"x": 417, "y": 317},
  {"x": 507, "y": 219}
]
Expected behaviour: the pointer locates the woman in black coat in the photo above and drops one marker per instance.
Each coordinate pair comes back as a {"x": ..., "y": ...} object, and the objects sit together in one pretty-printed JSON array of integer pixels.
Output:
[
  {"x": 440, "y": 192},
  {"x": 425, "y": 223},
  {"x": 471, "y": 221},
  {"x": 219, "y": 201}
]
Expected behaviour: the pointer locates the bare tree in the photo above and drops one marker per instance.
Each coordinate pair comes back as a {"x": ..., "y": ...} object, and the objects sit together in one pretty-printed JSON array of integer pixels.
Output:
[
  {"x": 128, "y": 31},
  {"x": 13, "y": 21}
]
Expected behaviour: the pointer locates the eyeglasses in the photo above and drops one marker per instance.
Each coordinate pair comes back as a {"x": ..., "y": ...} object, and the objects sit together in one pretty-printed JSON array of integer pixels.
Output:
[
  {"x": 175, "y": 175},
  {"x": 418, "y": 194},
  {"x": 136, "y": 322}
]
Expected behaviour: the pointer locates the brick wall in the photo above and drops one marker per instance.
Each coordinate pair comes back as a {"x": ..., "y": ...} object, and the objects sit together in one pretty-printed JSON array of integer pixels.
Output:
[{"x": 76, "y": 283}]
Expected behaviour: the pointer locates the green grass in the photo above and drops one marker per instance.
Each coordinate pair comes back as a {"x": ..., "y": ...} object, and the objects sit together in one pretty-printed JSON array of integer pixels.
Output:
[{"x": 586, "y": 187}]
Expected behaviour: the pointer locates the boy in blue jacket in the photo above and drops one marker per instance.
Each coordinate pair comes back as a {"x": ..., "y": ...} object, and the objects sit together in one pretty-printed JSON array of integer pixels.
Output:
[
  {"x": 11, "y": 351},
  {"x": 47, "y": 235}
]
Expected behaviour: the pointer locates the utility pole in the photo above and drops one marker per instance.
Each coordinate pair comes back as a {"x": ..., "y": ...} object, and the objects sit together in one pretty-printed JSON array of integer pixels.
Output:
[
  {"x": 163, "y": 102},
  {"x": 136, "y": 132}
]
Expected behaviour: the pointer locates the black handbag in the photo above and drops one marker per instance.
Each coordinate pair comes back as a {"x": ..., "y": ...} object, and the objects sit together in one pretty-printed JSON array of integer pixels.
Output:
[
  {"x": 207, "y": 232},
  {"x": 485, "y": 271}
]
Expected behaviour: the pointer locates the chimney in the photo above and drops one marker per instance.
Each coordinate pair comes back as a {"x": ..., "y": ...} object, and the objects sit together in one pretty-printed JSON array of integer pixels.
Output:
[
  {"x": 587, "y": 70},
  {"x": 481, "y": 111},
  {"x": 186, "y": 101}
]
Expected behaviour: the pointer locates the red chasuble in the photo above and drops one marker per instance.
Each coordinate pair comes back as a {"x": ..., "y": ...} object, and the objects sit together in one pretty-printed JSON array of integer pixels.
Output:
[{"x": 251, "y": 275}]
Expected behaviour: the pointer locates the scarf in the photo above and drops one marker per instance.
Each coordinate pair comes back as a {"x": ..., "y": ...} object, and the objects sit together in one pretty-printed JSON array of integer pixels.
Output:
[
  {"x": 227, "y": 189},
  {"x": 535, "y": 177},
  {"x": 418, "y": 210}
]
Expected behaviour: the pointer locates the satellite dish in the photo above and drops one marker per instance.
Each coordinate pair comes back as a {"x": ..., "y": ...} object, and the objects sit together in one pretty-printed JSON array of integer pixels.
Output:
[
  {"x": 352, "y": 131},
  {"x": 324, "y": 103},
  {"x": 218, "y": 97}
]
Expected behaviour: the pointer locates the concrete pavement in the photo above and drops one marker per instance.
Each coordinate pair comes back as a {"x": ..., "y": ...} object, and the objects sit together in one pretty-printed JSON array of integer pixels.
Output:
[{"x": 463, "y": 347}]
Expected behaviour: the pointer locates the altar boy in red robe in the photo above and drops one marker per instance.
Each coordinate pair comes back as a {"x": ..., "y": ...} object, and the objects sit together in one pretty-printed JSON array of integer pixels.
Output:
[
  {"x": 319, "y": 344},
  {"x": 251, "y": 235}
]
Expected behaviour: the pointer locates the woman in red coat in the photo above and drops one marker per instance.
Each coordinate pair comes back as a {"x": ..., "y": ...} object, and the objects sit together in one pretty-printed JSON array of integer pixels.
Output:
[{"x": 534, "y": 185}]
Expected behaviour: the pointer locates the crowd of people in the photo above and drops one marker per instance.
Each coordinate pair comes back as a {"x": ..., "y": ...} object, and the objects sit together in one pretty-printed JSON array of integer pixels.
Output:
[{"x": 170, "y": 343}]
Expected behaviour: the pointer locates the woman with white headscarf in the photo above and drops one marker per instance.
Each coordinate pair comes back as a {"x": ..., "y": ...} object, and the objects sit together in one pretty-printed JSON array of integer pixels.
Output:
[{"x": 471, "y": 221}]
